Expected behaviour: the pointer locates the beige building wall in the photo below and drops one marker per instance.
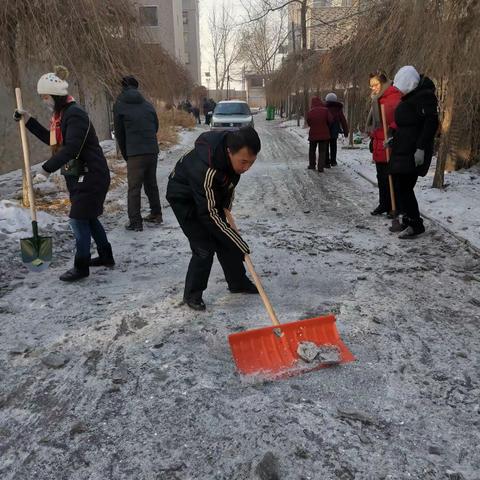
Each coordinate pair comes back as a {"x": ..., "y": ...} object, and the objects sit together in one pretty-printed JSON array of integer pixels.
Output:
[
  {"x": 191, "y": 32},
  {"x": 163, "y": 23}
]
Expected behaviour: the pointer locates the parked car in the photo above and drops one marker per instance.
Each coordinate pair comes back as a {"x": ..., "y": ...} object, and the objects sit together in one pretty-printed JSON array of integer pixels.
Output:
[{"x": 231, "y": 115}]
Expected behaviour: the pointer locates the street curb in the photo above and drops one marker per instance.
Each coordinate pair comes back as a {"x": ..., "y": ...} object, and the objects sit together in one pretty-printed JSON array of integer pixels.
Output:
[{"x": 458, "y": 237}]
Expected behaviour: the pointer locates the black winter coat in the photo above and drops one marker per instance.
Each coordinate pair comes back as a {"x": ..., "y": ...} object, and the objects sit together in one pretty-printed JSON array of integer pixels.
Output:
[
  {"x": 135, "y": 124},
  {"x": 88, "y": 196},
  {"x": 416, "y": 119},
  {"x": 203, "y": 183}
]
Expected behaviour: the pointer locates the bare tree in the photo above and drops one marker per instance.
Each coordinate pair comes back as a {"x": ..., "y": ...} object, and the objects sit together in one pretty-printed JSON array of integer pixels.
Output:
[
  {"x": 224, "y": 38},
  {"x": 98, "y": 40},
  {"x": 261, "y": 41}
]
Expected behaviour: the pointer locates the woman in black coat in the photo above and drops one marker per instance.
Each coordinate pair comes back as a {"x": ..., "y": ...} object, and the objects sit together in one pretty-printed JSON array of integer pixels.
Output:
[
  {"x": 72, "y": 135},
  {"x": 416, "y": 123}
]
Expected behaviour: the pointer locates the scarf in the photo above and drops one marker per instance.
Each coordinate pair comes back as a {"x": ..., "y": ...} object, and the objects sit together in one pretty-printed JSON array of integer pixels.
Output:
[
  {"x": 56, "y": 137},
  {"x": 374, "y": 119}
]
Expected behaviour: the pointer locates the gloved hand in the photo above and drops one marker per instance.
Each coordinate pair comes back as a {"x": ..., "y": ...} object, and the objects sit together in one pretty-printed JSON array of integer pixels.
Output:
[
  {"x": 419, "y": 157},
  {"x": 370, "y": 145},
  {"x": 19, "y": 113},
  {"x": 41, "y": 177},
  {"x": 388, "y": 143}
]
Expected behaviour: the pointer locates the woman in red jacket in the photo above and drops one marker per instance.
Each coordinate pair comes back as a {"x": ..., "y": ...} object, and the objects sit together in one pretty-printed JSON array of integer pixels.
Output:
[
  {"x": 319, "y": 120},
  {"x": 383, "y": 93}
]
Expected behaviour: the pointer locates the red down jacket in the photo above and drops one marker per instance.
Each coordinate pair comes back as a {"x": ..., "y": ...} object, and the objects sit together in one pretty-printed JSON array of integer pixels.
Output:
[
  {"x": 390, "y": 99},
  {"x": 319, "y": 120}
]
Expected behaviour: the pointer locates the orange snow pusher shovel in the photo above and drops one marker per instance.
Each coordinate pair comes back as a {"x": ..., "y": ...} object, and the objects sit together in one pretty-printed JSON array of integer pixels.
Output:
[{"x": 287, "y": 349}]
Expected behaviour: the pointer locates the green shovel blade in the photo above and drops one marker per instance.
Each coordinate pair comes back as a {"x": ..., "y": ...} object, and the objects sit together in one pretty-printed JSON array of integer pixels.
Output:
[{"x": 36, "y": 252}]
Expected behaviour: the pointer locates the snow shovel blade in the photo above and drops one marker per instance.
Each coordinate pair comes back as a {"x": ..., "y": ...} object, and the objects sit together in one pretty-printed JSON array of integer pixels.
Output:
[
  {"x": 36, "y": 252},
  {"x": 273, "y": 351}
]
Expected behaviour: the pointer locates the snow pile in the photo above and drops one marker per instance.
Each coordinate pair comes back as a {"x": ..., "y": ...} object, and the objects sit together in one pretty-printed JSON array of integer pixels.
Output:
[{"x": 16, "y": 222}]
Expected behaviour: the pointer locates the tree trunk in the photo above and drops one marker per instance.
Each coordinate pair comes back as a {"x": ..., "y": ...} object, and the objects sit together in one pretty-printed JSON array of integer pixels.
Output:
[
  {"x": 15, "y": 81},
  {"x": 443, "y": 151},
  {"x": 303, "y": 19}
]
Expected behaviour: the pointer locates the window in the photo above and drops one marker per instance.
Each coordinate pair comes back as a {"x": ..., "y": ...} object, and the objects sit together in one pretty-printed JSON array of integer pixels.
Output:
[
  {"x": 323, "y": 3},
  {"x": 256, "y": 82},
  {"x": 148, "y": 16},
  {"x": 185, "y": 17},
  {"x": 347, "y": 3}
]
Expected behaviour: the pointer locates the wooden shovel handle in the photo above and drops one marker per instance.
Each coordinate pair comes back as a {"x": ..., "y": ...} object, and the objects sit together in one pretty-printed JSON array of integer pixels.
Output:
[
  {"x": 26, "y": 156},
  {"x": 256, "y": 278},
  {"x": 387, "y": 152}
]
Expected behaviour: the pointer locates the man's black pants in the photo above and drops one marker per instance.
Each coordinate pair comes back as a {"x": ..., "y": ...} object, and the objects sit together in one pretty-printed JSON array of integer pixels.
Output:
[
  {"x": 142, "y": 171},
  {"x": 404, "y": 185},
  {"x": 204, "y": 246}
]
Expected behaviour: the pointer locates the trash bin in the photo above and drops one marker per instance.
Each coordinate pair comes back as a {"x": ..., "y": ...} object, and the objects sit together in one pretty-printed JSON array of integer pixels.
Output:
[{"x": 270, "y": 113}]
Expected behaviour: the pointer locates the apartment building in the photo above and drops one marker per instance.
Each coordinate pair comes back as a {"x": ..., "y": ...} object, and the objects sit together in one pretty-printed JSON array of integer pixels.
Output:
[
  {"x": 175, "y": 25},
  {"x": 329, "y": 23}
]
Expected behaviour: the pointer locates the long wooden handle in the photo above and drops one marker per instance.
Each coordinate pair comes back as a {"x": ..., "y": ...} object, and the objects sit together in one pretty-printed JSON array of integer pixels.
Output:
[
  {"x": 256, "y": 278},
  {"x": 26, "y": 157},
  {"x": 387, "y": 152}
]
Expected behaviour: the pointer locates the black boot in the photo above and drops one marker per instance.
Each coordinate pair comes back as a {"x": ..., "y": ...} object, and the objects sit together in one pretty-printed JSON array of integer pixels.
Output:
[
  {"x": 154, "y": 218},
  {"x": 105, "y": 257},
  {"x": 80, "y": 270},
  {"x": 195, "y": 303},
  {"x": 379, "y": 210},
  {"x": 245, "y": 287},
  {"x": 135, "y": 227}
]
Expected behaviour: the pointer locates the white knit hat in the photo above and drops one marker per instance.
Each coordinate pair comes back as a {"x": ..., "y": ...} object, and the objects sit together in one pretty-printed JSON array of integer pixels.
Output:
[
  {"x": 331, "y": 97},
  {"x": 406, "y": 79},
  {"x": 53, "y": 83}
]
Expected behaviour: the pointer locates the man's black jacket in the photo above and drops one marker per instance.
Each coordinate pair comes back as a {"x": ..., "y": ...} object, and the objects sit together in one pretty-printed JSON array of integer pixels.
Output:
[
  {"x": 204, "y": 181},
  {"x": 135, "y": 123}
]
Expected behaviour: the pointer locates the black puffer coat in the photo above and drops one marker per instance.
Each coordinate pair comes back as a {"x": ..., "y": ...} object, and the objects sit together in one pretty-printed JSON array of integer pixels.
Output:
[
  {"x": 202, "y": 184},
  {"x": 87, "y": 197},
  {"x": 416, "y": 119},
  {"x": 135, "y": 123}
]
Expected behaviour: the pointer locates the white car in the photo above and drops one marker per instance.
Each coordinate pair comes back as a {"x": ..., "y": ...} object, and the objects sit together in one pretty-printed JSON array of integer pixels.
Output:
[{"x": 231, "y": 115}]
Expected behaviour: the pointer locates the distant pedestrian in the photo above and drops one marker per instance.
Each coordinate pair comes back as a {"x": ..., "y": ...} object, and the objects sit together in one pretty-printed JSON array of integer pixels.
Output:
[
  {"x": 319, "y": 120},
  {"x": 338, "y": 126},
  {"x": 196, "y": 114},
  {"x": 136, "y": 126},
  {"x": 77, "y": 152},
  {"x": 206, "y": 110},
  {"x": 416, "y": 123},
  {"x": 382, "y": 93}
]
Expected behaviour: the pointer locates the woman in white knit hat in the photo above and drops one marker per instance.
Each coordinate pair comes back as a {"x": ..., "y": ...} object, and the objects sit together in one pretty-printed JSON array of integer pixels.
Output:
[{"x": 75, "y": 150}]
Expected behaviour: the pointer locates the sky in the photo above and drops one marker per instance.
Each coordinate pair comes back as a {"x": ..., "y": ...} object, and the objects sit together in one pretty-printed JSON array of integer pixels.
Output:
[{"x": 206, "y": 6}]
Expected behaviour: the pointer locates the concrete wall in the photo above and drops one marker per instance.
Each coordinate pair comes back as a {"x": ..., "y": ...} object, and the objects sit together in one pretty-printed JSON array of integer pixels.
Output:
[{"x": 192, "y": 39}]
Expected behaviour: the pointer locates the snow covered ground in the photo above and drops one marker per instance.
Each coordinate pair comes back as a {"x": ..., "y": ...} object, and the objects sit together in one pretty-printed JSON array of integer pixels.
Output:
[
  {"x": 112, "y": 378},
  {"x": 455, "y": 206}
]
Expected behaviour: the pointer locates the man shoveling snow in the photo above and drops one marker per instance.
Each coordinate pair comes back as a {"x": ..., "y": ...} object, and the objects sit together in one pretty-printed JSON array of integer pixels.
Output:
[{"x": 199, "y": 188}]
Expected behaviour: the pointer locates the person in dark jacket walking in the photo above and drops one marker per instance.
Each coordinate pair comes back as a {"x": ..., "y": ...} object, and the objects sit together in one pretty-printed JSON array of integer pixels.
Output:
[
  {"x": 206, "y": 110},
  {"x": 200, "y": 188},
  {"x": 416, "y": 119},
  {"x": 338, "y": 126},
  {"x": 136, "y": 127},
  {"x": 71, "y": 134},
  {"x": 383, "y": 93},
  {"x": 319, "y": 120}
]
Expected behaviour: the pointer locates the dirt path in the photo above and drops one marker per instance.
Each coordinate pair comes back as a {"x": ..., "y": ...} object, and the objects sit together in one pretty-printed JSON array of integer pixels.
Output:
[{"x": 141, "y": 388}]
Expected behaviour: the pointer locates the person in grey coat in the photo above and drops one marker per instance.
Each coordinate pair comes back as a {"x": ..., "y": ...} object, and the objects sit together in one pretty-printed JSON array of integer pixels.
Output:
[{"x": 136, "y": 126}]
